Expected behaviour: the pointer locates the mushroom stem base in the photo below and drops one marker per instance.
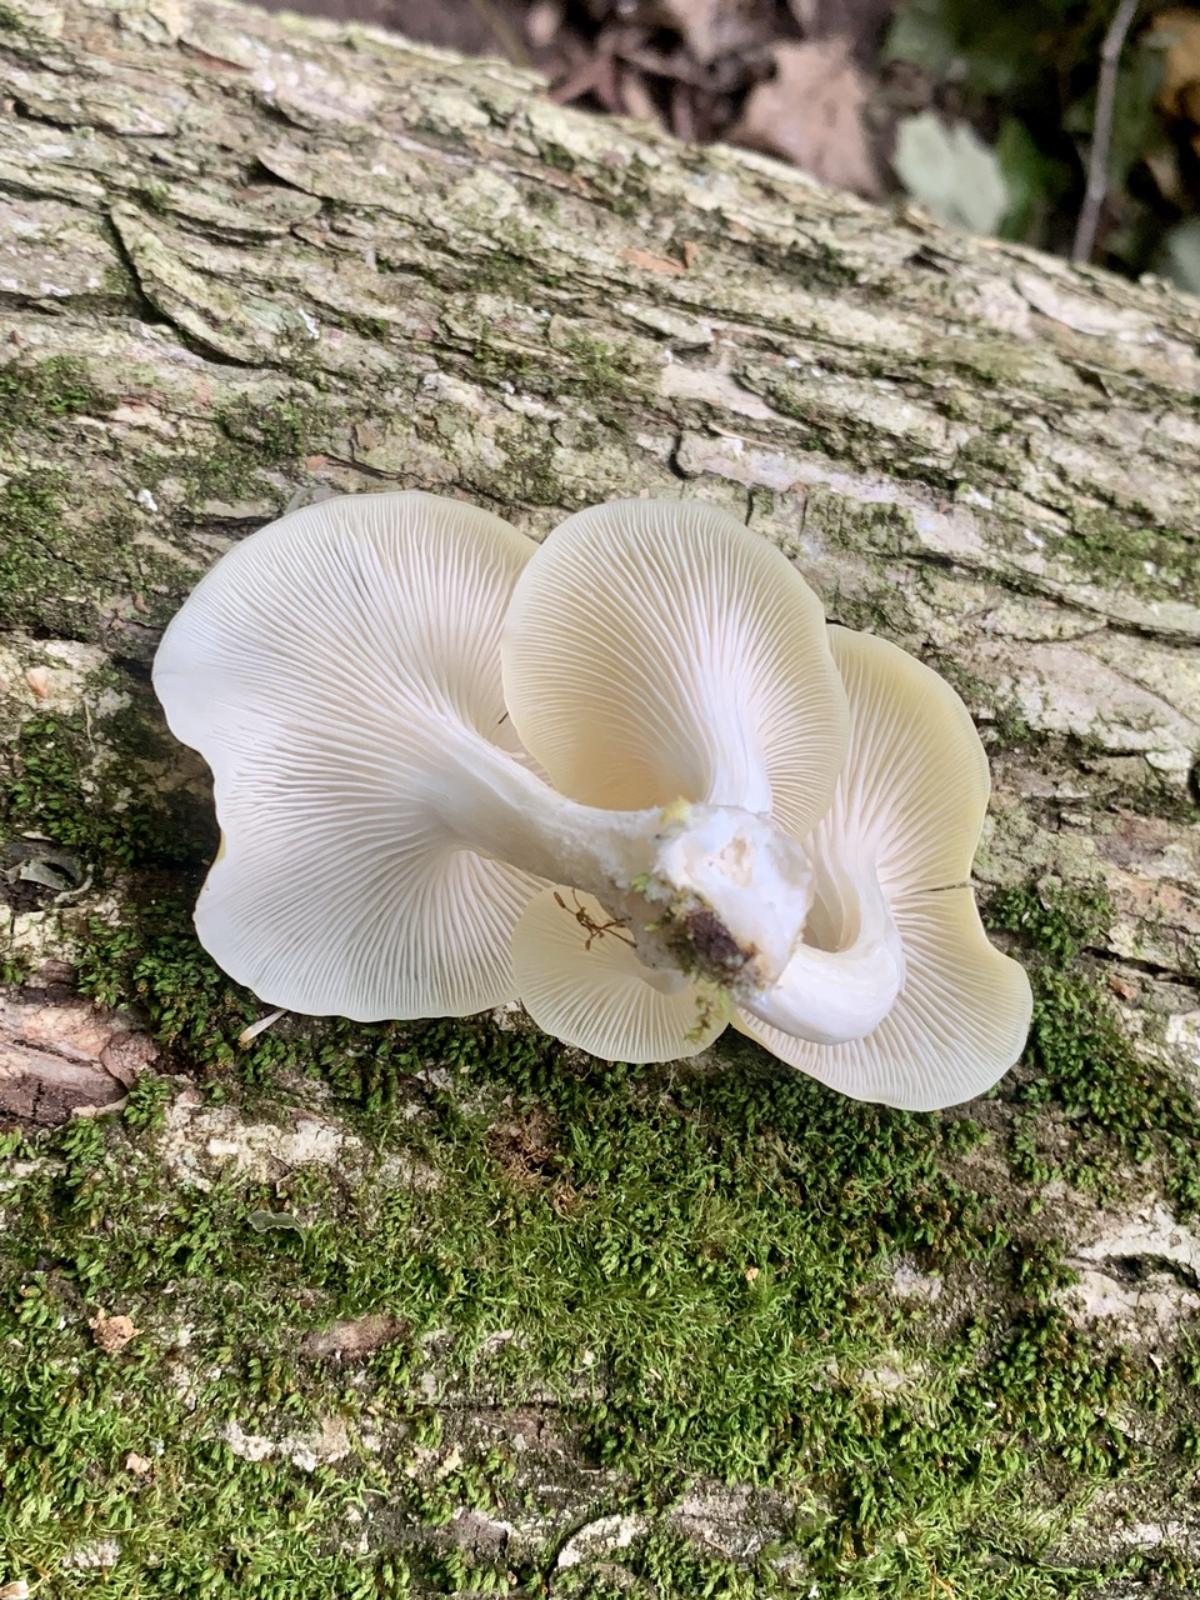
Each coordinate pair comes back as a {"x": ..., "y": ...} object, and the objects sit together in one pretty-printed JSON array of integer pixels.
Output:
[
  {"x": 714, "y": 890},
  {"x": 846, "y": 971}
]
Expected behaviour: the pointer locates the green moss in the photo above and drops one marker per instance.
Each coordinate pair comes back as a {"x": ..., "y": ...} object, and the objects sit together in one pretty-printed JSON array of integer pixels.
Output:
[
  {"x": 65, "y": 549},
  {"x": 156, "y": 197},
  {"x": 670, "y": 1565},
  {"x": 516, "y": 267},
  {"x": 112, "y": 815},
  {"x": 375, "y": 329},
  {"x": 1143, "y": 557},
  {"x": 541, "y": 200},
  {"x": 818, "y": 265},
  {"x": 14, "y": 970},
  {"x": 253, "y": 439},
  {"x": 31, "y": 539},
  {"x": 1122, "y": 1105},
  {"x": 596, "y": 368},
  {"x": 530, "y": 474},
  {"x": 555, "y": 156},
  {"x": 688, "y": 1258},
  {"x": 67, "y": 540},
  {"x": 1039, "y": 1270},
  {"x": 1131, "y": 1110},
  {"x": 57, "y": 558},
  {"x": 39, "y": 395},
  {"x": 1058, "y": 922},
  {"x": 1009, "y": 725},
  {"x": 497, "y": 363},
  {"x": 578, "y": 364},
  {"x": 709, "y": 1243}
]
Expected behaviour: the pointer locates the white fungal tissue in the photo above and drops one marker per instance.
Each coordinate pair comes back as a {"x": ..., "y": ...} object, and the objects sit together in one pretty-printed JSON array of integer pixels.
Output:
[{"x": 628, "y": 776}]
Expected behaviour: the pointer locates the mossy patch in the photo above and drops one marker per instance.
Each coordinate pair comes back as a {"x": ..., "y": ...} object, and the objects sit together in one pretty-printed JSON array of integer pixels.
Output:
[
  {"x": 573, "y": 363},
  {"x": 39, "y": 395},
  {"x": 253, "y": 439},
  {"x": 1058, "y": 922},
  {"x": 1123, "y": 1106},
  {"x": 708, "y": 1302},
  {"x": 693, "y": 1265},
  {"x": 101, "y": 800},
  {"x": 1108, "y": 548},
  {"x": 530, "y": 471},
  {"x": 49, "y": 572},
  {"x": 71, "y": 559},
  {"x": 999, "y": 711},
  {"x": 693, "y": 1260},
  {"x": 599, "y": 370}
]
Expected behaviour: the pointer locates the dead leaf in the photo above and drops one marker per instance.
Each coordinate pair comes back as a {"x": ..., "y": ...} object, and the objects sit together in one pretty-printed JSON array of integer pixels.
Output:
[
  {"x": 15, "y": 1591},
  {"x": 597, "y": 75},
  {"x": 355, "y": 1338},
  {"x": 812, "y": 112},
  {"x": 38, "y": 679},
  {"x": 861, "y": 21},
  {"x": 1177, "y": 34},
  {"x": 544, "y": 19},
  {"x": 683, "y": 112},
  {"x": 713, "y": 29},
  {"x": 526, "y": 1150},
  {"x": 1164, "y": 168},
  {"x": 112, "y": 1333},
  {"x": 138, "y": 1465},
  {"x": 652, "y": 263}
]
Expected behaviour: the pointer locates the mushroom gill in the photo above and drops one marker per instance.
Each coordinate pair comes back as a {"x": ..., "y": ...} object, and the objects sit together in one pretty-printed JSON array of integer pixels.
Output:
[{"x": 902, "y": 832}]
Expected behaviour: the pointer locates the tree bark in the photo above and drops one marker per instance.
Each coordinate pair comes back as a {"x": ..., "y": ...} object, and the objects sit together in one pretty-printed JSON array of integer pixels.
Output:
[{"x": 248, "y": 259}]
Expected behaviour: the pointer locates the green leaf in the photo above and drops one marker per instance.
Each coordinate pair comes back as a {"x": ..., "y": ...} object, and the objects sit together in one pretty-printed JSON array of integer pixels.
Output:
[
  {"x": 989, "y": 49},
  {"x": 1136, "y": 129},
  {"x": 263, "y": 1221},
  {"x": 1179, "y": 259},
  {"x": 953, "y": 174},
  {"x": 922, "y": 32},
  {"x": 1035, "y": 182}
]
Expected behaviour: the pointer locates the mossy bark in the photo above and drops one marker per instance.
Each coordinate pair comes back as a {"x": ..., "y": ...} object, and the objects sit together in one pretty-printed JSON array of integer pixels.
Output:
[{"x": 245, "y": 260}]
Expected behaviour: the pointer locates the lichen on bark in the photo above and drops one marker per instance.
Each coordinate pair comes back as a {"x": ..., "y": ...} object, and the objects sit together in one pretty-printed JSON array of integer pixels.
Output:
[{"x": 444, "y": 1309}]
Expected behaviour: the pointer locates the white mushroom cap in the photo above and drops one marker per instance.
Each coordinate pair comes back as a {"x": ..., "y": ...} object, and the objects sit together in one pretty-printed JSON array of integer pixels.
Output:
[
  {"x": 330, "y": 669},
  {"x": 580, "y": 980},
  {"x": 657, "y": 649},
  {"x": 909, "y": 806}
]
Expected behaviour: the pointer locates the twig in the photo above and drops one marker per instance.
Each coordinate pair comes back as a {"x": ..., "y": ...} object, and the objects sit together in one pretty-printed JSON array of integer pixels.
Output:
[{"x": 1106, "y": 94}]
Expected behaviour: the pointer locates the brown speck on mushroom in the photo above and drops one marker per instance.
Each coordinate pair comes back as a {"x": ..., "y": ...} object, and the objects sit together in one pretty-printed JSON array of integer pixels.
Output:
[{"x": 710, "y": 941}]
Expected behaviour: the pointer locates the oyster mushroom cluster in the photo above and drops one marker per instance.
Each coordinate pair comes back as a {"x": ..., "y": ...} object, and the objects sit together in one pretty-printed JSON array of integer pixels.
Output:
[{"x": 628, "y": 776}]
